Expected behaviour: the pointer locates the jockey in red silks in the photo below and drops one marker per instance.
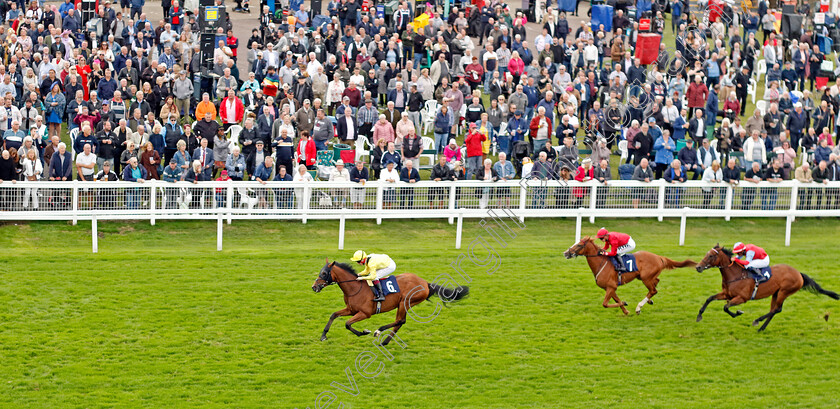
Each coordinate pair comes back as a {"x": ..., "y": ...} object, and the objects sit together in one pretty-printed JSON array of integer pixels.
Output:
[
  {"x": 616, "y": 245},
  {"x": 753, "y": 258}
]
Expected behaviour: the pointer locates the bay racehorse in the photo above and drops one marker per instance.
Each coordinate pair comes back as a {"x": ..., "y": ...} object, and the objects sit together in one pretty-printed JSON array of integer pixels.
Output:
[
  {"x": 649, "y": 267},
  {"x": 738, "y": 285},
  {"x": 358, "y": 297}
]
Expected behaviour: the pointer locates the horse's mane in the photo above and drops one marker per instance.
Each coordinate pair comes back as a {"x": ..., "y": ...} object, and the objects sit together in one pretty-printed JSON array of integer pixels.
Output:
[
  {"x": 726, "y": 251},
  {"x": 347, "y": 267}
]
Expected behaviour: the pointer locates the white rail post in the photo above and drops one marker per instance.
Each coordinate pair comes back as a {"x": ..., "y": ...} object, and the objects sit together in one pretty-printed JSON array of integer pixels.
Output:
[
  {"x": 75, "y": 201},
  {"x": 152, "y": 202},
  {"x": 459, "y": 229},
  {"x": 306, "y": 192},
  {"x": 523, "y": 200},
  {"x": 380, "y": 197},
  {"x": 578, "y": 226},
  {"x": 730, "y": 197},
  {"x": 341, "y": 229},
  {"x": 593, "y": 191},
  {"x": 95, "y": 233},
  {"x": 229, "y": 204},
  {"x": 787, "y": 229},
  {"x": 682, "y": 226},
  {"x": 661, "y": 201},
  {"x": 794, "y": 196},
  {"x": 452, "y": 190},
  {"x": 219, "y": 229}
]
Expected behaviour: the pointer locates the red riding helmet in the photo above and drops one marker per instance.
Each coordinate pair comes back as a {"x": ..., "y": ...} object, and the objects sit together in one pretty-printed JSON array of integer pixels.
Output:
[
  {"x": 738, "y": 247},
  {"x": 602, "y": 233}
]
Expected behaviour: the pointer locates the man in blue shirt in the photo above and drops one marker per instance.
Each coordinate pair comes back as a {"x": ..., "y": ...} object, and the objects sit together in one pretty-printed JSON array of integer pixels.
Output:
[{"x": 533, "y": 98}]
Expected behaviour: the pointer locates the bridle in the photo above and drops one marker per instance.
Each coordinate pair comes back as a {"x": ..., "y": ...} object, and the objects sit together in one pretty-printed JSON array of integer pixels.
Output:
[
  {"x": 743, "y": 276},
  {"x": 326, "y": 275},
  {"x": 586, "y": 255}
]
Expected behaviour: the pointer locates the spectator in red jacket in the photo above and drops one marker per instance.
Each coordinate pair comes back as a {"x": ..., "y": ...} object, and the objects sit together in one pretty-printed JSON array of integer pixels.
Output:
[
  {"x": 540, "y": 129},
  {"x": 231, "y": 110},
  {"x": 697, "y": 94},
  {"x": 306, "y": 152},
  {"x": 475, "y": 73},
  {"x": 474, "y": 152}
]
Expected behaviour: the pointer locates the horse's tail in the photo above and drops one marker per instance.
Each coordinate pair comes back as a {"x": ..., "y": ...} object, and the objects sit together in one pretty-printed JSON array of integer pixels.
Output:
[
  {"x": 672, "y": 264},
  {"x": 811, "y": 286},
  {"x": 449, "y": 294}
]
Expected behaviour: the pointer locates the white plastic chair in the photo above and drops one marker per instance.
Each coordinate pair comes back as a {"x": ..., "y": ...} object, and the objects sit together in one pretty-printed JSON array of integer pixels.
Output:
[
  {"x": 622, "y": 147},
  {"x": 751, "y": 88},
  {"x": 428, "y": 144},
  {"x": 502, "y": 132},
  {"x": 234, "y": 132},
  {"x": 73, "y": 135},
  {"x": 713, "y": 144},
  {"x": 427, "y": 116},
  {"x": 362, "y": 147},
  {"x": 761, "y": 106},
  {"x": 760, "y": 70}
]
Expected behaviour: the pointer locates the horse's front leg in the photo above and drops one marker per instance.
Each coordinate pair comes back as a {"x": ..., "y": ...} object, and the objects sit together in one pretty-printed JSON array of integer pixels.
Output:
[
  {"x": 610, "y": 294},
  {"x": 333, "y": 316},
  {"x": 356, "y": 318},
  {"x": 719, "y": 296},
  {"x": 733, "y": 302}
]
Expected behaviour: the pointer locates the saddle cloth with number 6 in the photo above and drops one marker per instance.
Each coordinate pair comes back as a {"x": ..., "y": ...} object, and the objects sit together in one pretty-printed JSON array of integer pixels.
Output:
[{"x": 389, "y": 285}]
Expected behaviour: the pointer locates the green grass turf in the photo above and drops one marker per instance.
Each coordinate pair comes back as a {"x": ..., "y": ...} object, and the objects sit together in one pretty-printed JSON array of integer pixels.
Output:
[{"x": 160, "y": 319}]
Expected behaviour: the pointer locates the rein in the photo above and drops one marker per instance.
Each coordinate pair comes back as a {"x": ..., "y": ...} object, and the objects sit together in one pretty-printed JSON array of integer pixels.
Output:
[
  {"x": 601, "y": 270},
  {"x": 349, "y": 281},
  {"x": 743, "y": 276},
  {"x": 606, "y": 260}
]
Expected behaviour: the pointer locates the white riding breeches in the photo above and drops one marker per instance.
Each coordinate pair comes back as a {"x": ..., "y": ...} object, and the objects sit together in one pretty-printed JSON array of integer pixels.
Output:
[
  {"x": 385, "y": 272},
  {"x": 759, "y": 263},
  {"x": 630, "y": 246}
]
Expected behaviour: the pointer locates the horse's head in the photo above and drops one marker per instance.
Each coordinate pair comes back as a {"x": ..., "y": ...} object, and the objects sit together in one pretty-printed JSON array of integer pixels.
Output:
[
  {"x": 714, "y": 258},
  {"x": 324, "y": 277},
  {"x": 585, "y": 247}
]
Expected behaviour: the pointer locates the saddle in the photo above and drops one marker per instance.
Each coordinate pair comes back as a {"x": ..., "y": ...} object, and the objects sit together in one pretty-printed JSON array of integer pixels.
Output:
[
  {"x": 389, "y": 286},
  {"x": 627, "y": 261},
  {"x": 761, "y": 276}
]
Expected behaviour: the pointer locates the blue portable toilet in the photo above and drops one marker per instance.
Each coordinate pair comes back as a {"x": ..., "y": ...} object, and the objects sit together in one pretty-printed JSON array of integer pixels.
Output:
[
  {"x": 826, "y": 44},
  {"x": 642, "y": 6},
  {"x": 566, "y": 5},
  {"x": 602, "y": 14}
]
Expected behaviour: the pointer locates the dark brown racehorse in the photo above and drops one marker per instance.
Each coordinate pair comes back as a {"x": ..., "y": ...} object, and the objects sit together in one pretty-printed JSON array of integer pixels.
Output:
[
  {"x": 649, "y": 267},
  {"x": 358, "y": 297},
  {"x": 738, "y": 285}
]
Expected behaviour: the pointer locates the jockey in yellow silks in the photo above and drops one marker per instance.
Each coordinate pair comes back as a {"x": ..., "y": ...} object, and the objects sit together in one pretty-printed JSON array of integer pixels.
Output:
[{"x": 376, "y": 266}]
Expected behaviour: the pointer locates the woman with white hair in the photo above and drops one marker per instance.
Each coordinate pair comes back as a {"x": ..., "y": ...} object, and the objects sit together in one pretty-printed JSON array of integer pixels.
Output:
[
  {"x": 486, "y": 174},
  {"x": 32, "y": 171},
  {"x": 302, "y": 175}
]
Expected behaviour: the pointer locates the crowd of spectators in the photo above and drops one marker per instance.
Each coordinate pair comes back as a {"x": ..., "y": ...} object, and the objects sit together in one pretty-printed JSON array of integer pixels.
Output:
[{"x": 127, "y": 96}]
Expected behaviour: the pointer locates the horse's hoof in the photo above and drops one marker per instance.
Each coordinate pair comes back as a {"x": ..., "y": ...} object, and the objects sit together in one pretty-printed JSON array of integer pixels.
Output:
[
  {"x": 699, "y": 318},
  {"x": 625, "y": 303},
  {"x": 650, "y": 302},
  {"x": 376, "y": 333},
  {"x": 739, "y": 312},
  {"x": 638, "y": 311},
  {"x": 755, "y": 323},
  {"x": 323, "y": 337},
  {"x": 366, "y": 332}
]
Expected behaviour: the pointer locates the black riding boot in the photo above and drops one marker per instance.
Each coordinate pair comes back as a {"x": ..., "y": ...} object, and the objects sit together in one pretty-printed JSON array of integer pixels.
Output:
[
  {"x": 619, "y": 266},
  {"x": 377, "y": 292}
]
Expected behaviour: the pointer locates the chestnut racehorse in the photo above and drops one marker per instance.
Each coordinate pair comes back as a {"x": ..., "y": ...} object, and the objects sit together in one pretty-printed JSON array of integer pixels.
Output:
[
  {"x": 738, "y": 285},
  {"x": 649, "y": 266},
  {"x": 358, "y": 297}
]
